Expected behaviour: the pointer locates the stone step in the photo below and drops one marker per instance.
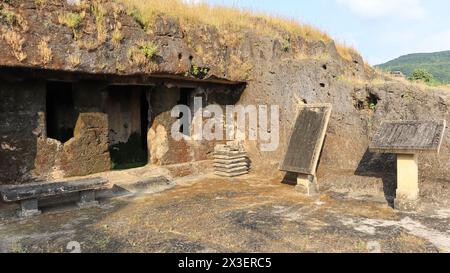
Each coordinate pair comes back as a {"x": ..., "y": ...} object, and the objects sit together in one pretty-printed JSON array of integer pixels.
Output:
[
  {"x": 226, "y": 157},
  {"x": 231, "y": 161},
  {"x": 232, "y": 170},
  {"x": 230, "y": 166},
  {"x": 230, "y": 174},
  {"x": 228, "y": 153}
]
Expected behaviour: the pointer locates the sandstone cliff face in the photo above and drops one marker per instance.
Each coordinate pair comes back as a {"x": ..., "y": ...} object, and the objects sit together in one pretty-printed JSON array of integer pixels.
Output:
[{"x": 275, "y": 74}]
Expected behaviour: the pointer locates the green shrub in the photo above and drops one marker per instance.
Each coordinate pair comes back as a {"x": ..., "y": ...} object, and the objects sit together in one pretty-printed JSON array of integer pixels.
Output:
[
  {"x": 422, "y": 75},
  {"x": 199, "y": 72}
]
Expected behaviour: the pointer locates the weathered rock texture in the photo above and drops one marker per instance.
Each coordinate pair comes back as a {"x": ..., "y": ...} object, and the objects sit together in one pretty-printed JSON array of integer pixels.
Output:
[
  {"x": 22, "y": 105},
  {"x": 304, "y": 72},
  {"x": 85, "y": 153}
]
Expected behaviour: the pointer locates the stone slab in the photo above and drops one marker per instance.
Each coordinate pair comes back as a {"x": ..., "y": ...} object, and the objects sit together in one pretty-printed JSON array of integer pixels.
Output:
[
  {"x": 230, "y": 153},
  {"x": 15, "y": 193},
  {"x": 306, "y": 139},
  {"x": 408, "y": 137},
  {"x": 159, "y": 181}
]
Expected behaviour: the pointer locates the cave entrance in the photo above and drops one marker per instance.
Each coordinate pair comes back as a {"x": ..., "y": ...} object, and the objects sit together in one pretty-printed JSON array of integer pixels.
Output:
[
  {"x": 185, "y": 99},
  {"x": 127, "y": 108},
  {"x": 61, "y": 115}
]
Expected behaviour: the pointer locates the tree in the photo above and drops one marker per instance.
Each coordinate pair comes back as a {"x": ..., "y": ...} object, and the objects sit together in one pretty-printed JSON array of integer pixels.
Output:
[{"x": 422, "y": 75}]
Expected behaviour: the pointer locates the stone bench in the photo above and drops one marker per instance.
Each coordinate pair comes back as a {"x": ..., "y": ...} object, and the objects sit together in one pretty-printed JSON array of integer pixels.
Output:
[{"x": 29, "y": 194}]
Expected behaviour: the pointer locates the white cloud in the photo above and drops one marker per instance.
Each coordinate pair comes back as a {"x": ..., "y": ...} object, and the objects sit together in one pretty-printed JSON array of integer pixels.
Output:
[{"x": 403, "y": 9}]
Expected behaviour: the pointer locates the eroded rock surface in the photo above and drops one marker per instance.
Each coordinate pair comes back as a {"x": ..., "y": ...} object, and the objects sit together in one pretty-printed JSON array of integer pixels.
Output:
[{"x": 308, "y": 71}]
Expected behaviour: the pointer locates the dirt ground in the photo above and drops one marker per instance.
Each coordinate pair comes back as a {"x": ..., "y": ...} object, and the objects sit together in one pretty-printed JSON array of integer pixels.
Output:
[{"x": 248, "y": 214}]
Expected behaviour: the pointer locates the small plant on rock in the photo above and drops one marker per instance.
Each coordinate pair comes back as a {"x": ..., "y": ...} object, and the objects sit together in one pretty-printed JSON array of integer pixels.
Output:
[
  {"x": 15, "y": 42},
  {"x": 117, "y": 36},
  {"x": 99, "y": 12},
  {"x": 199, "y": 72},
  {"x": 136, "y": 57},
  {"x": 149, "y": 49},
  {"x": 72, "y": 20},
  {"x": 286, "y": 44},
  {"x": 45, "y": 51},
  {"x": 137, "y": 16},
  {"x": 74, "y": 60},
  {"x": 13, "y": 19},
  {"x": 40, "y": 3}
]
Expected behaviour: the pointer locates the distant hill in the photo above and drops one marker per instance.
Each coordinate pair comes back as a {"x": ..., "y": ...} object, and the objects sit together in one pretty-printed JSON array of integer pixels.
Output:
[{"x": 437, "y": 64}]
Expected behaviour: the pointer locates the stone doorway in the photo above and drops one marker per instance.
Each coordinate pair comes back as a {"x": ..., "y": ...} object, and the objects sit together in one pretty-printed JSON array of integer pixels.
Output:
[{"x": 128, "y": 117}]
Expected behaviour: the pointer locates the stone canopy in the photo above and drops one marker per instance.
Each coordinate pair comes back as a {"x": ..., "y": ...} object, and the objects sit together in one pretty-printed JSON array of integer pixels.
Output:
[{"x": 408, "y": 137}]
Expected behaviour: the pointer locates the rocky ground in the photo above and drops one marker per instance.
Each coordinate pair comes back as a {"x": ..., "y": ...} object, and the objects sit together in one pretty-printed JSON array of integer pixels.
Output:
[{"x": 248, "y": 214}]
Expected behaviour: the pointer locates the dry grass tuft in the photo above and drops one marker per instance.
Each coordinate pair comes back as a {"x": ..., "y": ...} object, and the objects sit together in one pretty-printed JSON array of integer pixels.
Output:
[
  {"x": 384, "y": 78},
  {"x": 45, "y": 52},
  {"x": 99, "y": 13},
  {"x": 136, "y": 56},
  {"x": 116, "y": 35},
  {"x": 74, "y": 60},
  {"x": 225, "y": 19},
  {"x": 13, "y": 19},
  {"x": 15, "y": 42},
  {"x": 40, "y": 3},
  {"x": 88, "y": 44},
  {"x": 345, "y": 51}
]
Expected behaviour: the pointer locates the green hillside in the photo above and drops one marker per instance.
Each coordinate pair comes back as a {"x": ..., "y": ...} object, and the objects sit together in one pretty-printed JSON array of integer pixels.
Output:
[{"x": 437, "y": 64}]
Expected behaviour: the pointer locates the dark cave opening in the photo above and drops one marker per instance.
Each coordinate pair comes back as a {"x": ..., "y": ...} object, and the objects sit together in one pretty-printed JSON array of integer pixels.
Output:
[{"x": 61, "y": 115}]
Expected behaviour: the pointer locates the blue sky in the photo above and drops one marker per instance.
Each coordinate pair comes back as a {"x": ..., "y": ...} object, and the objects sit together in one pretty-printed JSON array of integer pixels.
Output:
[{"x": 380, "y": 29}]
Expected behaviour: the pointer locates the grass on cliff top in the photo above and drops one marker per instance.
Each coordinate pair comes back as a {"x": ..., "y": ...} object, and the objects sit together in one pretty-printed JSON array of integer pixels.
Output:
[
  {"x": 224, "y": 18},
  {"x": 383, "y": 77}
]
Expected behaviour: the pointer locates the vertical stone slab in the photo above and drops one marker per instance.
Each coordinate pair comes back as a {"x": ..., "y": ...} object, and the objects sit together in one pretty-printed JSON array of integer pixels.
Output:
[
  {"x": 87, "y": 153},
  {"x": 305, "y": 146},
  {"x": 306, "y": 141}
]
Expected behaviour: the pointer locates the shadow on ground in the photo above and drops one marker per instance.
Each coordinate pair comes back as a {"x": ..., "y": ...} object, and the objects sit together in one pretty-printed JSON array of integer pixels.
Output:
[{"x": 381, "y": 166}]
